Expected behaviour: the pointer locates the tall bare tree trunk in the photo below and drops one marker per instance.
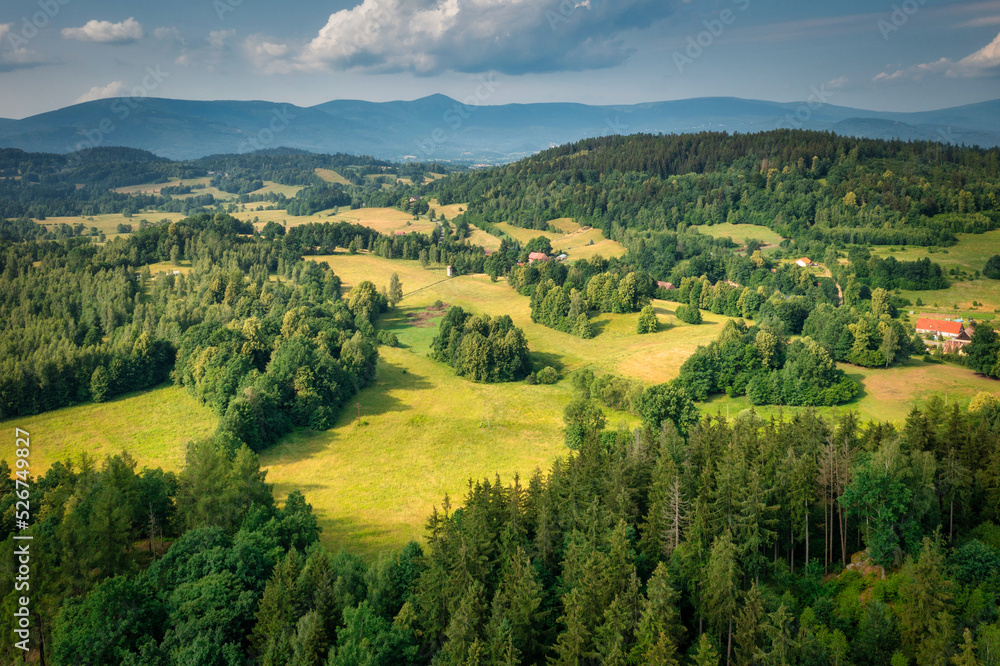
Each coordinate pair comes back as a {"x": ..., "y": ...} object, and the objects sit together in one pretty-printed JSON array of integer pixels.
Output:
[{"x": 729, "y": 642}]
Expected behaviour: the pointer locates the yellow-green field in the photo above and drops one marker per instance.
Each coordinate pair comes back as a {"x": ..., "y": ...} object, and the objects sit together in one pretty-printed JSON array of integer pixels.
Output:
[
  {"x": 154, "y": 426},
  {"x": 383, "y": 220},
  {"x": 652, "y": 358},
  {"x": 488, "y": 242},
  {"x": 109, "y": 223},
  {"x": 451, "y": 211},
  {"x": 154, "y": 188},
  {"x": 372, "y": 484},
  {"x": 575, "y": 240},
  {"x": 739, "y": 233},
  {"x": 968, "y": 255},
  {"x": 886, "y": 395},
  {"x": 331, "y": 176}
]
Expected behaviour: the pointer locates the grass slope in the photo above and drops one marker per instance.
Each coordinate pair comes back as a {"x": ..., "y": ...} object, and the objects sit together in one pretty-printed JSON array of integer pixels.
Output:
[
  {"x": 740, "y": 233},
  {"x": 154, "y": 426},
  {"x": 968, "y": 255},
  {"x": 886, "y": 395}
]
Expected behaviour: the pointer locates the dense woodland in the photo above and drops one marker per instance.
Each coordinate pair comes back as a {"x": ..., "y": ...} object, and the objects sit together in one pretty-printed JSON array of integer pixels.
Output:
[
  {"x": 689, "y": 540},
  {"x": 734, "y": 541}
]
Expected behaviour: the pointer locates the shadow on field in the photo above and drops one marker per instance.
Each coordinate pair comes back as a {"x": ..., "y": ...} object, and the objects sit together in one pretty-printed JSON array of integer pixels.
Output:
[
  {"x": 862, "y": 392},
  {"x": 541, "y": 359},
  {"x": 377, "y": 400},
  {"x": 358, "y": 536},
  {"x": 599, "y": 325}
]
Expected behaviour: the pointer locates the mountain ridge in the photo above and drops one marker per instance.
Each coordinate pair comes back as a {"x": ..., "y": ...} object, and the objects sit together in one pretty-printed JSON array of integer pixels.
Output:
[{"x": 437, "y": 127}]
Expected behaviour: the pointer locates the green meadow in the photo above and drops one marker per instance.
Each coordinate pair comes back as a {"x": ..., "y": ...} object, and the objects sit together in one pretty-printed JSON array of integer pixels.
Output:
[{"x": 423, "y": 432}]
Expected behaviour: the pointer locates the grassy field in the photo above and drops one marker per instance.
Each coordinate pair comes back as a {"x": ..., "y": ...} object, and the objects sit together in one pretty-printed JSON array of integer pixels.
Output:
[
  {"x": 652, "y": 358},
  {"x": 574, "y": 241},
  {"x": 968, "y": 255},
  {"x": 451, "y": 211},
  {"x": 372, "y": 483},
  {"x": 109, "y": 223},
  {"x": 154, "y": 426},
  {"x": 331, "y": 176},
  {"x": 886, "y": 395},
  {"x": 154, "y": 188},
  {"x": 739, "y": 233},
  {"x": 385, "y": 220}
]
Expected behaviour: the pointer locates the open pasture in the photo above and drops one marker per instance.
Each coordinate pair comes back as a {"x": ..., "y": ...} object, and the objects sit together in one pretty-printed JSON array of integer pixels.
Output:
[{"x": 740, "y": 233}]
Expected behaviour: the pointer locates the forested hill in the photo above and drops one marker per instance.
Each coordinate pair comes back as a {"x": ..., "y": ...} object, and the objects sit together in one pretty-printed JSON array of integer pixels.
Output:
[{"x": 804, "y": 185}]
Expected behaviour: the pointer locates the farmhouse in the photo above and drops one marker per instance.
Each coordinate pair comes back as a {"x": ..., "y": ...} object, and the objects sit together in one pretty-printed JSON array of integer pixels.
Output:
[
  {"x": 537, "y": 256},
  {"x": 669, "y": 286},
  {"x": 804, "y": 262},
  {"x": 955, "y": 345},
  {"x": 939, "y": 328}
]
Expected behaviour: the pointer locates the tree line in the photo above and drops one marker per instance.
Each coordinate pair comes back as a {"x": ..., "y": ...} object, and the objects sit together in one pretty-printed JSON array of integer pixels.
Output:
[{"x": 692, "y": 539}]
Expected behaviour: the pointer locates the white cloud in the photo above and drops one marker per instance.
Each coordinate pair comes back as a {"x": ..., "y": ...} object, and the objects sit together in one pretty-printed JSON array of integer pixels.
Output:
[
  {"x": 838, "y": 83},
  {"x": 106, "y": 32},
  {"x": 17, "y": 57},
  {"x": 217, "y": 38},
  {"x": 984, "y": 62},
  {"x": 169, "y": 34},
  {"x": 267, "y": 55},
  {"x": 113, "y": 89},
  {"x": 508, "y": 36},
  {"x": 213, "y": 56},
  {"x": 982, "y": 22}
]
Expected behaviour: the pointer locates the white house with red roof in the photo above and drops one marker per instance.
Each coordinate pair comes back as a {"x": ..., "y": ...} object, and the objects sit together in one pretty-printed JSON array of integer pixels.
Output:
[{"x": 939, "y": 328}]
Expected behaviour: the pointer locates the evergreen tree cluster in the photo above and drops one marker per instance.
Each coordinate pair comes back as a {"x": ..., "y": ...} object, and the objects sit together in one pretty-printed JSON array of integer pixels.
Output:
[
  {"x": 761, "y": 364},
  {"x": 809, "y": 186},
  {"x": 689, "y": 540},
  {"x": 481, "y": 348}
]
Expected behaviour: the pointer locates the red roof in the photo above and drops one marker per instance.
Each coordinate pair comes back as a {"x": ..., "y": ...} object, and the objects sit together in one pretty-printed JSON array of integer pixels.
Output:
[
  {"x": 538, "y": 256},
  {"x": 939, "y": 326}
]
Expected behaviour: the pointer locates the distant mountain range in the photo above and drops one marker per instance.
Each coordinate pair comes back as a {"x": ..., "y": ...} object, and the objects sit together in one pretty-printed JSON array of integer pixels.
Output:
[{"x": 440, "y": 128}]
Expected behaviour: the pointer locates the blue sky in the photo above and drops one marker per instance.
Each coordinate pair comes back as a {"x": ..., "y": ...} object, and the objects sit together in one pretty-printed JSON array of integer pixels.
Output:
[{"x": 882, "y": 55}]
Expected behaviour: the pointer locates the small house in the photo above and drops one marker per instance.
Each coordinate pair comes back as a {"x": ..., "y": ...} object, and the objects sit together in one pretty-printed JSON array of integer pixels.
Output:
[
  {"x": 537, "y": 256},
  {"x": 939, "y": 328},
  {"x": 451, "y": 271},
  {"x": 804, "y": 262},
  {"x": 562, "y": 257},
  {"x": 669, "y": 286}
]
